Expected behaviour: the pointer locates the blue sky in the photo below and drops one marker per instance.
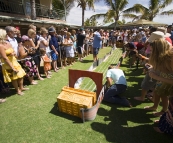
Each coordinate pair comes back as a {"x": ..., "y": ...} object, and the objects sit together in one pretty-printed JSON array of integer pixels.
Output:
[{"x": 76, "y": 13}]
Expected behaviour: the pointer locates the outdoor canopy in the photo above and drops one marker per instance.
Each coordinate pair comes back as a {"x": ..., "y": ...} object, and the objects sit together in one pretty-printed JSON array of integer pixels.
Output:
[{"x": 142, "y": 22}]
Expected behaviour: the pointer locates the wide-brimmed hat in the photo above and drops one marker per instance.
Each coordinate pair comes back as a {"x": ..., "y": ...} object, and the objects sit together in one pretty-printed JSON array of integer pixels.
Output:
[
  {"x": 162, "y": 29},
  {"x": 156, "y": 35},
  {"x": 24, "y": 38}
]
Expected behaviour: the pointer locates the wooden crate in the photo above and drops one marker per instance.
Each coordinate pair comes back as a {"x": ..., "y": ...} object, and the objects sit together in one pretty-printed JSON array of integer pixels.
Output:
[
  {"x": 81, "y": 92},
  {"x": 70, "y": 101}
]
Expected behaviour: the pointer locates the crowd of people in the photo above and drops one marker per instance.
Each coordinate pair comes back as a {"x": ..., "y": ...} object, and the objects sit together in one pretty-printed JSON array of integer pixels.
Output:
[
  {"x": 153, "y": 48},
  {"x": 21, "y": 56}
]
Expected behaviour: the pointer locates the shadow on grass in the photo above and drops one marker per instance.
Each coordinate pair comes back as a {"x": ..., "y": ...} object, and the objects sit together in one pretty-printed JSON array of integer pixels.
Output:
[
  {"x": 56, "y": 112},
  {"x": 117, "y": 129},
  {"x": 87, "y": 61}
]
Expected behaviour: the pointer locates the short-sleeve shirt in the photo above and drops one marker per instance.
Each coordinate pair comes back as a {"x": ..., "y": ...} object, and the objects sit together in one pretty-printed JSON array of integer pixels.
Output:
[
  {"x": 80, "y": 39},
  {"x": 42, "y": 45},
  {"x": 53, "y": 41},
  {"x": 97, "y": 42},
  {"x": 14, "y": 44},
  {"x": 117, "y": 75},
  {"x": 132, "y": 45}
]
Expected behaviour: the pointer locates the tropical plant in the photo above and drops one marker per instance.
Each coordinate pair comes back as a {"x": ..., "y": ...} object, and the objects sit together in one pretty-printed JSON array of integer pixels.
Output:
[
  {"x": 33, "y": 10},
  {"x": 149, "y": 13},
  {"x": 84, "y": 4},
  {"x": 90, "y": 22},
  {"x": 87, "y": 22},
  {"x": 116, "y": 8},
  {"x": 63, "y": 6}
]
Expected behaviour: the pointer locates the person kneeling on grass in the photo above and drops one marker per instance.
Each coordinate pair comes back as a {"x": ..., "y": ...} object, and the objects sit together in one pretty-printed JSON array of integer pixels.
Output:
[
  {"x": 47, "y": 62},
  {"x": 114, "y": 90}
]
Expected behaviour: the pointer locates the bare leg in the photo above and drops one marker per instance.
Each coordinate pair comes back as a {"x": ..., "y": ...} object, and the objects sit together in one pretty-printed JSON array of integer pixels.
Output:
[
  {"x": 15, "y": 84},
  {"x": 156, "y": 103},
  {"x": 20, "y": 83},
  {"x": 54, "y": 65},
  {"x": 165, "y": 103},
  {"x": 142, "y": 97},
  {"x": 80, "y": 57}
]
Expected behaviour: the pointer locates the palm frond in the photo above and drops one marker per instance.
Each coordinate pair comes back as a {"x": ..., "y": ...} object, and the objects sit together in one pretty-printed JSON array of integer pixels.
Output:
[
  {"x": 129, "y": 15},
  {"x": 166, "y": 3},
  {"x": 138, "y": 8},
  {"x": 154, "y": 4},
  {"x": 170, "y": 12},
  {"x": 123, "y": 4},
  {"x": 90, "y": 4},
  {"x": 97, "y": 16},
  {"x": 108, "y": 2},
  {"x": 110, "y": 14}
]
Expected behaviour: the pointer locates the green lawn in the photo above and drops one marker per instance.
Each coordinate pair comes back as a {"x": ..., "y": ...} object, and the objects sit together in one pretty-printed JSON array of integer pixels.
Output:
[{"x": 34, "y": 118}]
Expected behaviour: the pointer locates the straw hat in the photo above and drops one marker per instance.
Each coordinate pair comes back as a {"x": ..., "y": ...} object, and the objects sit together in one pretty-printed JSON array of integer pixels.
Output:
[{"x": 156, "y": 35}]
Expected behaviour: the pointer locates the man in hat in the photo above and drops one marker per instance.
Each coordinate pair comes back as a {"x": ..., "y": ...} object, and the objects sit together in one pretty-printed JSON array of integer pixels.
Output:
[
  {"x": 80, "y": 43},
  {"x": 53, "y": 44}
]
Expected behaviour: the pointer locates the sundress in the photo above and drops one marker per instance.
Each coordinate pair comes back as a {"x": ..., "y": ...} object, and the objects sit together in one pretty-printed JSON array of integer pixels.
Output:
[{"x": 8, "y": 73}]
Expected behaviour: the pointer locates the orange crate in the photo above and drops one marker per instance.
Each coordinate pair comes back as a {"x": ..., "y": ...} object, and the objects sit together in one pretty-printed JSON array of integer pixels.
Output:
[
  {"x": 81, "y": 92},
  {"x": 71, "y": 102}
]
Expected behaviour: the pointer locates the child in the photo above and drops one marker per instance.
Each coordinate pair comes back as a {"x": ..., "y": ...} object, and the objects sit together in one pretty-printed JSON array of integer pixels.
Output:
[{"x": 47, "y": 62}]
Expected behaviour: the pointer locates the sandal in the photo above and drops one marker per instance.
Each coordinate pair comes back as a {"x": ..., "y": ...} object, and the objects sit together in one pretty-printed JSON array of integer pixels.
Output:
[{"x": 2, "y": 100}]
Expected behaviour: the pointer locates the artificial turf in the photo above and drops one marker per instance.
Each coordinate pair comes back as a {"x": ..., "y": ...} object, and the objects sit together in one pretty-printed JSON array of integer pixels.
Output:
[{"x": 34, "y": 118}]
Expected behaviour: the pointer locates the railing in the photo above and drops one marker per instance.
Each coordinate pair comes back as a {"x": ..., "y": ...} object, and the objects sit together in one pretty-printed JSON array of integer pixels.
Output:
[
  {"x": 24, "y": 8},
  {"x": 10, "y": 6}
]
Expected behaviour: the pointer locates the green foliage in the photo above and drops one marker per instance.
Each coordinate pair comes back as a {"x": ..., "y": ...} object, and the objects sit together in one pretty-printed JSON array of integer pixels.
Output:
[
  {"x": 149, "y": 13},
  {"x": 90, "y": 22},
  {"x": 115, "y": 11},
  {"x": 58, "y": 5},
  {"x": 87, "y": 22},
  {"x": 84, "y": 4}
]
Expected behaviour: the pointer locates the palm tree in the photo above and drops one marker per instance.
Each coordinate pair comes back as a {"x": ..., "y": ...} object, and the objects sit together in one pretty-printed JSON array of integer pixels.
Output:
[
  {"x": 154, "y": 8},
  {"x": 33, "y": 10},
  {"x": 116, "y": 8},
  {"x": 62, "y": 5},
  {"x": 84, "y": 4}
]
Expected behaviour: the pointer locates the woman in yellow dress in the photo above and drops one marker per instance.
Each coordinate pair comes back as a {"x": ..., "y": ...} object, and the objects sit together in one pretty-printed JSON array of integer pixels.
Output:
[{"x": 11, "y": 69}]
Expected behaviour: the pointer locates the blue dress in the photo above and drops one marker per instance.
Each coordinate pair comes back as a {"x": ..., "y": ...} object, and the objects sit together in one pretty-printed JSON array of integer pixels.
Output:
[{"x": 165, "y": 122}]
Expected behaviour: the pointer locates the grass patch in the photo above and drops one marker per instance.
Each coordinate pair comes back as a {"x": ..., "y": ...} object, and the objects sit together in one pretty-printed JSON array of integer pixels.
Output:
[{"x": 34, "y": 118}]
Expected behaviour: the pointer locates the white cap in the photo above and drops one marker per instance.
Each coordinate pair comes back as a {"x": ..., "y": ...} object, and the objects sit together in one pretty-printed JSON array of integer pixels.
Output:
[{"x": 156, "y": 35}]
